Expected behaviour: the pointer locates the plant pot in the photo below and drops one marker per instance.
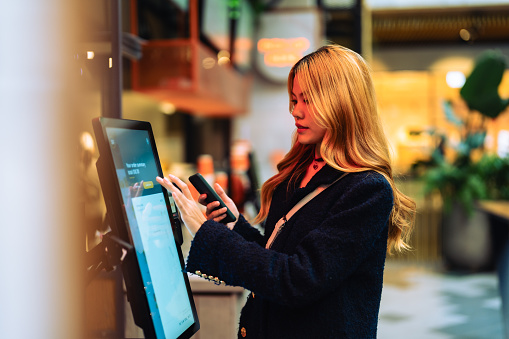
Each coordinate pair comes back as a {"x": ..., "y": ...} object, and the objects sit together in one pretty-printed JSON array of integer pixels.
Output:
[{"x": 466, "y": 240}]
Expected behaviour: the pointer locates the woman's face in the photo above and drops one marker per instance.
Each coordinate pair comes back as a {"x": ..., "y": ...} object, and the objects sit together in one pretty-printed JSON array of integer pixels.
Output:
[{"x": 308, "y": 132}]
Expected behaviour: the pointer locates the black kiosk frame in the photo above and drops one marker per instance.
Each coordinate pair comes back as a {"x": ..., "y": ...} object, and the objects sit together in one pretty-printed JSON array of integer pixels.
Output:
[{"x": 141, "y": 213}]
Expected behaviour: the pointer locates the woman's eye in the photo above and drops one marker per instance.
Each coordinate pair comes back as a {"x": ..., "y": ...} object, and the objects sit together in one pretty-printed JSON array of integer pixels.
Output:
[
  {"x": 294, "y": 102},
  {"x": 306, "y": 101}
]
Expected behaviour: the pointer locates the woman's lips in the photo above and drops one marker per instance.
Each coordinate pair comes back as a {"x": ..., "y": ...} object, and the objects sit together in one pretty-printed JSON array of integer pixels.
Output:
[{"x": 300, "y": 128}]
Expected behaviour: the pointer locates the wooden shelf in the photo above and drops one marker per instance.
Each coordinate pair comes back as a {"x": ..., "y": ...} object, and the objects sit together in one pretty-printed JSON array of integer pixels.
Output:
[{"x": 186, "y": 73}]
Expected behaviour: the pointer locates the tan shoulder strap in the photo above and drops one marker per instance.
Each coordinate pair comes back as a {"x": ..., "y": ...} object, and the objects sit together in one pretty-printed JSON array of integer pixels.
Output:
[{"x": 281, "y": 223}]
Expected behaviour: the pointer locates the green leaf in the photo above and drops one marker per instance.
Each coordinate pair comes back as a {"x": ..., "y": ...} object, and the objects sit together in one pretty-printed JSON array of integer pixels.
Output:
[
  {"x": 449, "y": 114},
  {"x": 480, "y": 90},
  {"x": 475, "y": 140}
]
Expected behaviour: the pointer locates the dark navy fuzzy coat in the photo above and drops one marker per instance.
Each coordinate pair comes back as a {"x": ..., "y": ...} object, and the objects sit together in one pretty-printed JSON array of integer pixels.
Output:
[{"x": 322, "y": 277}]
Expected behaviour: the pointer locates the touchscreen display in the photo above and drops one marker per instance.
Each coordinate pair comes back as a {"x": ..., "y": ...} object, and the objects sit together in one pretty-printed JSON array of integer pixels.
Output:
[{"x": 150, "y": 231}]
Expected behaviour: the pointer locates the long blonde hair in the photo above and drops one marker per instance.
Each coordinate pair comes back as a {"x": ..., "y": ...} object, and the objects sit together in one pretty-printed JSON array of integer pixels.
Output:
[{"x": 338, "y": 83}]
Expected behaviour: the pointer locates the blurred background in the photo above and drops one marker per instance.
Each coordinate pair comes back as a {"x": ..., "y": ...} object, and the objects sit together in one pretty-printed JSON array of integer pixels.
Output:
[{"x": 210, "y": 76}]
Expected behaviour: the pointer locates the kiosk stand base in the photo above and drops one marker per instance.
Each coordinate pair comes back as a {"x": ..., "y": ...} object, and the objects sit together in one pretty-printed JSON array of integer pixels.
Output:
[
  {"x": 105, "y": 256},
  {"x": 104, "y": 291}
]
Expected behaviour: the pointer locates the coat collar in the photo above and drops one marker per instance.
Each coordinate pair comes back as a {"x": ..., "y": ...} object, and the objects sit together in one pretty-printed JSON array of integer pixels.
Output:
[{"x": 326, "y": 175}]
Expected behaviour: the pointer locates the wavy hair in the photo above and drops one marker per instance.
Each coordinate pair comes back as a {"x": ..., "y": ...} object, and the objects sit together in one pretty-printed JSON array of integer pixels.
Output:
[{"x": 338, "y": 83}]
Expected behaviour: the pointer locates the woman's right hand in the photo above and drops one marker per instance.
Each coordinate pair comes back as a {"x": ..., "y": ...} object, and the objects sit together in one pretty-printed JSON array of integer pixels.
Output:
[{"x": 219, "y": 214}]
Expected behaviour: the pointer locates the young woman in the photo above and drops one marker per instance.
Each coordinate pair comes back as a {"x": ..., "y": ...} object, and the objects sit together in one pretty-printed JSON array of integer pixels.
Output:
[{"x": 317, "y": 273}]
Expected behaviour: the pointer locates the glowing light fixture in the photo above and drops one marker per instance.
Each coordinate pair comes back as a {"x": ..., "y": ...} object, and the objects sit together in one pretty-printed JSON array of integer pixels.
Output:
[
  {"x": 167, "y": 108},
  {"x": 90, "y": 55},
  {"x": 208, "y": 63},
  {"x": 110, "y": 61},
  {"x": 455, "y": 79},
  {"x": 465, "y": 34},
  {"x": 223, "y": 54},
  {"x": 223, "y": 61},
  {"x": 503, "y": 143},
  {"x": 87, "y": 142},
  {"x": 223, "y": 57}
]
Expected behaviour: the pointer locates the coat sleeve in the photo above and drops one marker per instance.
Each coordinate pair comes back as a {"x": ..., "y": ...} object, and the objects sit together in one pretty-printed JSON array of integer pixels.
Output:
[
  {"x": 247, "y": 231},
  {"x": 325, "y": 257}
]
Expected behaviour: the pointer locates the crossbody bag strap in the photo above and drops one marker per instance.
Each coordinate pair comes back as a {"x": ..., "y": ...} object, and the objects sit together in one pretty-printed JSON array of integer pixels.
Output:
[{"x": 282, "y": 222}]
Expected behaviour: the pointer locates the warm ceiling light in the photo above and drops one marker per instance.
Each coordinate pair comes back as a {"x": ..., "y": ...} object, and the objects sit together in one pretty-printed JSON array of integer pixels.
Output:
[
  {"x": 223, "y": 61},
  {"x": 90, "y": 55},
  {"x": 455, "y": 79},
  {"x": 208, "y": 63},
  {"x": 465, "y": 34},
  {"x": 223, "y": 54},
  {"x": 87, "y": 142},
  {"x": 167, "y": 108}
]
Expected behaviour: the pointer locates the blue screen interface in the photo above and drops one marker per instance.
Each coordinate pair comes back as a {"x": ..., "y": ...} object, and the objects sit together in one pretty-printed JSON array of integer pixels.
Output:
[{"x": 151, "y": 232}]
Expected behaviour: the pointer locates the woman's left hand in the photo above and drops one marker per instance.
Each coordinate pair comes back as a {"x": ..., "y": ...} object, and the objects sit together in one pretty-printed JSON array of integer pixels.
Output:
[{"x": 189, "y": 210}]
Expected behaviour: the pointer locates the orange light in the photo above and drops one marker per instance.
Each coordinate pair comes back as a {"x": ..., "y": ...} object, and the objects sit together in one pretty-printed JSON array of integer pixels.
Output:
[
  {"x": 282, "y": 52},
  {"x": 268, "y": 45},
  {"x": 281, "y": 59}
]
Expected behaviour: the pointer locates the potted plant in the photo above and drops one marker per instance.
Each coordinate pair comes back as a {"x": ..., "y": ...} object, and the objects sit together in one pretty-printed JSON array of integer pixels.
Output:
[
  {"x": 494, "y": 171},
  {"x": 463, "y": 174}
]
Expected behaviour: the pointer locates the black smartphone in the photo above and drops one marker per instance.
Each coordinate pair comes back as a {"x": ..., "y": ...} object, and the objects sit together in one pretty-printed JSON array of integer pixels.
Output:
[{"x": 203, "y": 187}]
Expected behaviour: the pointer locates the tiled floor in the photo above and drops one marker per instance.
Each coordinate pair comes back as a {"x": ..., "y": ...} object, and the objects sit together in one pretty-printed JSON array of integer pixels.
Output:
[{"x": 419, "y": 302}]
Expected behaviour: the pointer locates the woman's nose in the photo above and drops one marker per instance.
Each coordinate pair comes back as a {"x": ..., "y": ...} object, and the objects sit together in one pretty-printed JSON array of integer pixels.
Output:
[{"x": 296, "y": 112}]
